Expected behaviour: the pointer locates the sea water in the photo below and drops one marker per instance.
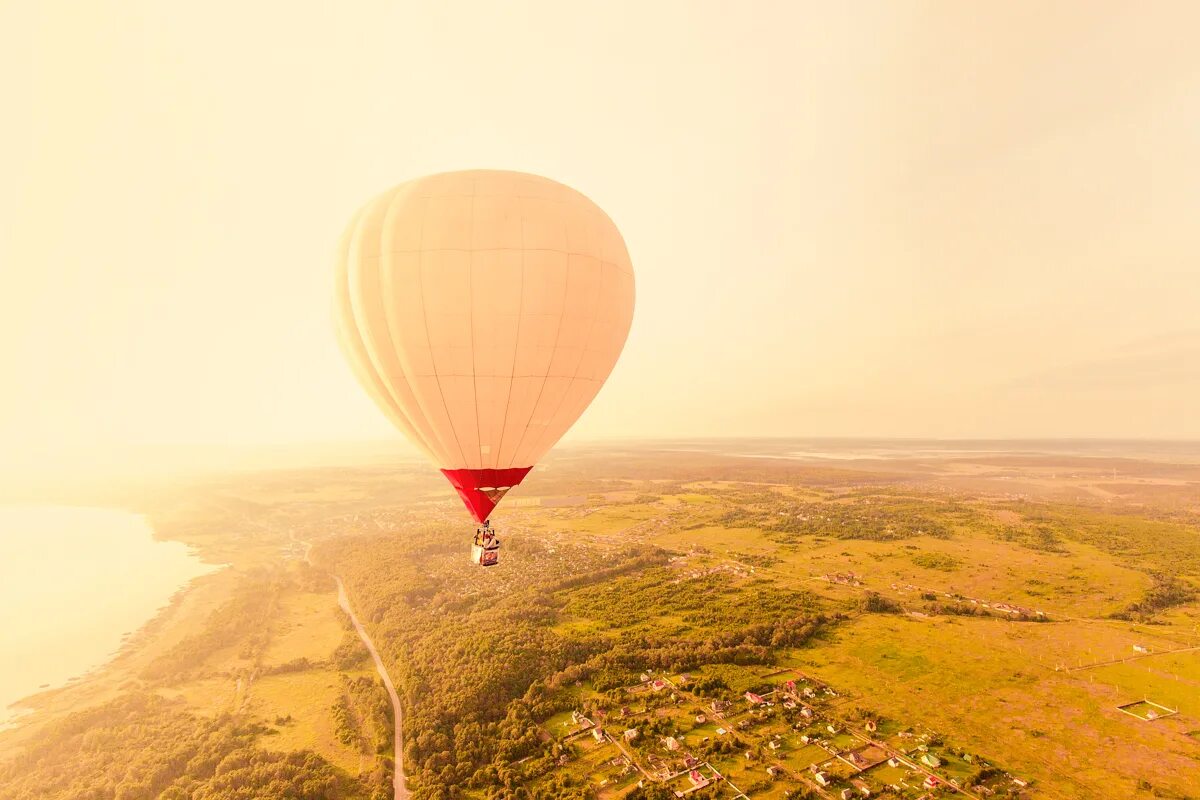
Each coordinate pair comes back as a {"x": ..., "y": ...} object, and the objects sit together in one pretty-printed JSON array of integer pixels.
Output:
[{"x": 73, "y": 583}]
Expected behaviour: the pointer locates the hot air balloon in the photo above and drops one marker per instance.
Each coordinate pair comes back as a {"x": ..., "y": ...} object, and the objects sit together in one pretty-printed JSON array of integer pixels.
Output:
[{"x": 482, "y": 311}]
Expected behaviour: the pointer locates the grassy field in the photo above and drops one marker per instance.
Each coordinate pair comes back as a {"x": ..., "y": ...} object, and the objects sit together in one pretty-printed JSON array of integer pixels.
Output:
[{"x": 967, "y": 604}]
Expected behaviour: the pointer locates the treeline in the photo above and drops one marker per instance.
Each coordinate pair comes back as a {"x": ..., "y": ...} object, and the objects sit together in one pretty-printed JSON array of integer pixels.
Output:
[
  {"x": 479, "y": 663},
  {"x": 1167, "y": 592},
  {"x": 362, "y": 715},
  {"x": 882, "y": 521},
  {"x": 143, "y": 747}
]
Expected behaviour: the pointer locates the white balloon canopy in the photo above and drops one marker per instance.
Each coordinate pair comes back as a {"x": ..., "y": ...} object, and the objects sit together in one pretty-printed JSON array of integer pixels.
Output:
[{"x": 482, "y": 311}]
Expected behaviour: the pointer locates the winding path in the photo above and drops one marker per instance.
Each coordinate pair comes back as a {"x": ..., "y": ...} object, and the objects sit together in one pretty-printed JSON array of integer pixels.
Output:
[{"x": 398, "y": 783}]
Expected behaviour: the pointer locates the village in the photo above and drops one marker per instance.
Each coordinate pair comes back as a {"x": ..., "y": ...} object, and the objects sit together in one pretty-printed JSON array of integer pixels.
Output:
[{"x": 791, "y": 738}]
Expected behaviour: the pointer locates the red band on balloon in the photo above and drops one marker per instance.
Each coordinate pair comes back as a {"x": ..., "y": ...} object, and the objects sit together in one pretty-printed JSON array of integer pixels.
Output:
[{"x": 482, "y": 489}]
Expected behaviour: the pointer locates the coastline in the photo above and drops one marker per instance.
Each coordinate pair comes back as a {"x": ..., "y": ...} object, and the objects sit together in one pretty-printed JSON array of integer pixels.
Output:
[{"x": 90, "y": 612}]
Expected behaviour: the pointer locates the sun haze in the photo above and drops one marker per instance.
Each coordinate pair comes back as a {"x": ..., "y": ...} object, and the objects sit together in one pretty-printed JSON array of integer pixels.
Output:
[{"x": 891, "y": 219}]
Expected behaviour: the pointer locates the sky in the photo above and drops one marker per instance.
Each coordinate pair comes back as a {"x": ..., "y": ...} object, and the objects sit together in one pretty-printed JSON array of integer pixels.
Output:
[{"x": 909, "y": 219}]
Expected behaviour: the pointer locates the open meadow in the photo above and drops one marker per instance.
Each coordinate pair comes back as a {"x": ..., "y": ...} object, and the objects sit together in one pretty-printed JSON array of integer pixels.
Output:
[{"x": 723, "y": 620}]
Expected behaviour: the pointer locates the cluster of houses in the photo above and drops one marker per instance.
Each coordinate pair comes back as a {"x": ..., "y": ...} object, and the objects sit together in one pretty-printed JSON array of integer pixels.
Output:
[
  {"x": 1011, "y": 609},
  {"x": 853, "y": 754}
]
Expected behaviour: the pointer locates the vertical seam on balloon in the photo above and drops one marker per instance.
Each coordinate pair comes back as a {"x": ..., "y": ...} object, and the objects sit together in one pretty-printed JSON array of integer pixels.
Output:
[
  {"x": 561, "y": 314},
  {"x": 387, "y": 214},
  {"x": 517, "y": 341},
  {"x": 425, "y": 320},
  {"x": 444, "y": 451},
  {"x": 471, "y": 321},
  {"x": 575, "y": 375},
  {"x": 367, "y": 362}
]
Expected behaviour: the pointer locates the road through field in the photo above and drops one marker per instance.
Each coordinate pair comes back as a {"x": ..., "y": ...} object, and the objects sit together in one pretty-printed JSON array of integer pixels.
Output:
[{"x": 398, "y": 784}]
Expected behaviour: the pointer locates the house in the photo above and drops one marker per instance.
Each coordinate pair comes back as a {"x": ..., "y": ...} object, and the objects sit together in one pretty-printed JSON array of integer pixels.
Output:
[
  {"x": 774, "y": 771},
  {"x": 871, "y": 726},
  {"x": 698, "y": 780},
  {"x": 931, "y": 782},
  {"x": 790, "y": 686},
  {"x": 822, "y": 779},
  {"x": 701, "y": 719},
  {"x": 1021, "y": 782},
  {"x": 576, "y": 717},
  {"x": 806, "y": 712},
  {"x": 719, "y": 706},
  {"x": 598, "y": 734},
  {"x": 690, "y": 761},
  {"x": 753, "y": 699},
  {"x": 721, "y": 731},
  {"x": 685, "y": 679},
  {"x": 930, "y": 760},
  {"x": 805, "y": 738},
  {"x": 893, "y": 763},
  {"x": 831, "y": 728},
  {"x": 774, "y": 745},
  {"x": 808, "y": 692},
  {"x": 631, "y": 734},
  {"x": 847, "y": 794},
  {"x": 658, "y": 685},
  {"x": 862, "y": 786},
  {"x": 1140, "y": 648},
  {"x": 671, "y": 743},
  {"x": 625, "y": 712},
  {"x": 645, "y": 677}
]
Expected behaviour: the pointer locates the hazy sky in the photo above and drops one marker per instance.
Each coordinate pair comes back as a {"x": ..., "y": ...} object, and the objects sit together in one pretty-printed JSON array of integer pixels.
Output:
[{"x": 894, "y": 218}]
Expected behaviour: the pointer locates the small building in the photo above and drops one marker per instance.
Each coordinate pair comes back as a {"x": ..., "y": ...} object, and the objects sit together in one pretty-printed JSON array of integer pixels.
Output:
[
  {"x": 719, "y": 706},
  {"x": 805, "y": 738},
  {"x": 631, "y": 734},
  {"x": 931, "y": 782},
  {"x": 831, "y": 728},
  {"x": 790, "y": 686},
  {"x": 671, "y": 743},
  {"x": 658, "y": 685},
  {"x": 822, "y": 778},
  {"x": 774, "y": 745},
  {"x": 871, "y": 726},
  {"x": 685, "y": 679},
  {"x": 698, "y": 781},
  {"x": 774, "y": 771},
  {"x": 806, "y": 712},
  {"x": 598, "y": 734}
]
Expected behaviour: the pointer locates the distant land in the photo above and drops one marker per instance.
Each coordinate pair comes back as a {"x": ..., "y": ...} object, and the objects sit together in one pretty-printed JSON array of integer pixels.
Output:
[{"x": 774, "y": 618}]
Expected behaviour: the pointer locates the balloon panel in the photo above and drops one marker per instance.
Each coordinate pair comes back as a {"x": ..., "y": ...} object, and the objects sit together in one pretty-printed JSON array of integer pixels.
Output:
[{"x": 482, "y": 311}]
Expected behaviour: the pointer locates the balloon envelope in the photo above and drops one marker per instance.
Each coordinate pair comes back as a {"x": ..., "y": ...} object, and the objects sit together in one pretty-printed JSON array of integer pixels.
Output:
[{"x": 482, "y": 311}]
